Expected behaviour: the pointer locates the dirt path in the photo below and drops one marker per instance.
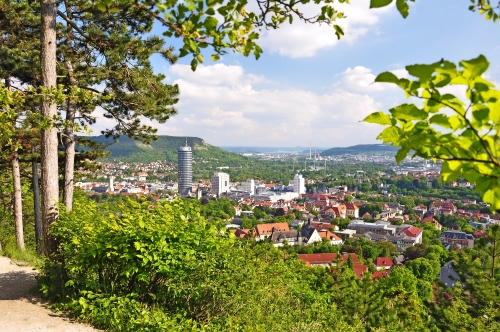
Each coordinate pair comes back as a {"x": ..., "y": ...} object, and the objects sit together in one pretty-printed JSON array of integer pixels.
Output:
[{"x": 21, "y": 311}]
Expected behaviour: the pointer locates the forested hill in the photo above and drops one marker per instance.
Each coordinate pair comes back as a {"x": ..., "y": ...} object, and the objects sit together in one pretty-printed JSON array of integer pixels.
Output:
[
  {"x": 363, "y": 148},
  {"x": 165, "y": 149}
]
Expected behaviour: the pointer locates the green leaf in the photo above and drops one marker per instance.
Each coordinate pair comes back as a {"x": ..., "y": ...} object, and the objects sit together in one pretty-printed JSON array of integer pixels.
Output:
[
  {"x": 339, "y": 32},
  {"x": 451, "y": 170},
  {"x": 141, "y": 224},
  {"x": 440, "y": 119},
  {"x": 379, "y": 3},
  {"x": 215, "y": 57},
  {"x": 492, "y": 196},
  {"x": 194, "y": 64},
  {"x": 475, "y": 67},
  {"x": 401, "y": 154},
  {"x": 424, "y": 72},
  {"x": 379, "y": 118},
  {"x": 387, "y": 77},
  {"x": 390, "y": 135},
  {"x": 408, "y": 112},
  {"x": 402, "y": 7}
]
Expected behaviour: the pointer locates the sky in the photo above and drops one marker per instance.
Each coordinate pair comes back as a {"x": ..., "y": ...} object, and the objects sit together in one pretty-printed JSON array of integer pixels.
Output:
[{"x": 309, "y": 87}]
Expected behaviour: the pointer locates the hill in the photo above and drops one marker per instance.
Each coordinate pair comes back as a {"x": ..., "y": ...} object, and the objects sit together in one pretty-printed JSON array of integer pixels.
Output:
[
  {"x": 165, "y": 149},
  {"x": 363, "y": 148}
]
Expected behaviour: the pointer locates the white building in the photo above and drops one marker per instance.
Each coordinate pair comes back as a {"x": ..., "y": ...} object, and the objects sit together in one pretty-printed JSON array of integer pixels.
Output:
[
  {"x": 298, "y": 184},
  {"x": 248, "y": 186},
  {"x": 220, "y": 183}
]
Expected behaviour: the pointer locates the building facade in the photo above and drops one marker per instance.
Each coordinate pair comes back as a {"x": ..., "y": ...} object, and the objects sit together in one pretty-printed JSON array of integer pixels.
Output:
[
  {"x": 248, "y": 186},
  {"x": 220, "y": 183},
  {"x": 298, "y": 184},
  {"x": 185, "y": 170}
]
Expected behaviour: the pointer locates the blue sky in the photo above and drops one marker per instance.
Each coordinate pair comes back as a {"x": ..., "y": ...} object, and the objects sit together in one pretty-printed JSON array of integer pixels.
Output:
[{"x": 308, "y": 86}]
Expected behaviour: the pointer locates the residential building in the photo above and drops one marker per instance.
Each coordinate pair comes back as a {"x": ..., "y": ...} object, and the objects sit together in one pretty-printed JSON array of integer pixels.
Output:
[
  {"x": 383, "y": 263},
  {"x": 220, "y": 183},
  {"x": 461, "y": 238},
  {"x": 185, "y": 170},
  {"x": 263, "y": 231},
  {"x": 331, "y": 237},
  {"x": 379, "y": 227},
  {"x": 346, "y": 234},
  {"x": 305, "y": 236},
  {"x": 298, "y": 184},
  {"x": 433, "y": 221},
  {"x": 352, "y": 210}
]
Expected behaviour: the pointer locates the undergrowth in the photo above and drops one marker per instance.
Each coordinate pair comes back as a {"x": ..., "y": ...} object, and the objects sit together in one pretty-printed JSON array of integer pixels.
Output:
[{"x": 22, "y": 257}]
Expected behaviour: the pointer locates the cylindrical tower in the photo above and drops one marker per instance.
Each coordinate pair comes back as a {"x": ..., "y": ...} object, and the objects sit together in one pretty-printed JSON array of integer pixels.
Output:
[{"x": 185, "y": 170}]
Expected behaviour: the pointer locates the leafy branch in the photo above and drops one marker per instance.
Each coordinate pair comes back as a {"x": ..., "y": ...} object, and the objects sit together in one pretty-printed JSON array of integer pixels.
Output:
[{"x": 469, "y": 142}]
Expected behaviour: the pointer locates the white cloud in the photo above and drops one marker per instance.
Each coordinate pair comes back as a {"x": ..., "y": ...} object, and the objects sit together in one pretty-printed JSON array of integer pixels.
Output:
[
  {"x": 224, "y": 106},
  {"x": 304, "y": 40}
]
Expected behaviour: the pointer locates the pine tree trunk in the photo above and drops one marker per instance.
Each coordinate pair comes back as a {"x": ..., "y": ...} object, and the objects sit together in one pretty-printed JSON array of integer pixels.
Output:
[
  {"x": 18, "y": 203},
  {"x": 69, "y": 157},
  {"x": 69, "y": 136},
  {"x": 36, "y": 206},
  {"x": 50, "y": 172}
]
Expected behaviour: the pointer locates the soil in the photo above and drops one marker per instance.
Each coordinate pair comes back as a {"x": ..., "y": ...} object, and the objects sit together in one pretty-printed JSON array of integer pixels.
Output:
[{"x": 21, "y": 310}]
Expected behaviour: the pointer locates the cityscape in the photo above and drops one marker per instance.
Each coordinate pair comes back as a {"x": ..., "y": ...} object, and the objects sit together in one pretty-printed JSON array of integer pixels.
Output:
[{"x": 249, "y": 166}]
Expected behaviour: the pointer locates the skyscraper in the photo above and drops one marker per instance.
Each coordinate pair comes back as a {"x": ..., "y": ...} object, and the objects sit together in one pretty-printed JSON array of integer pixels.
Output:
[
  {"x": 298, "y": 184},
  {"x": 220, "y": 183},
  {"x": 185, "y": 169}
]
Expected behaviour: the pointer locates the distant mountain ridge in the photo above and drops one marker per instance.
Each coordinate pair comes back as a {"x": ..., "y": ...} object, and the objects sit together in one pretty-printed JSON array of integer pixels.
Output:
[
  {"x": 362, "y": 148},
  {"x": 165, "y": 149},
  {"x": 267, "y": 149}
]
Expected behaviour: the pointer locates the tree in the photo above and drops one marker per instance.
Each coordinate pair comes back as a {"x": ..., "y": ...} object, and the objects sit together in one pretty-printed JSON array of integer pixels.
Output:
[
  {"x": 470, "y": 149},
  {"x": 50, "y": 171},
  {"x": 424, "y": 269},
  {"x": 483, "y": 6},
  {"x": 109, "y": 51}
]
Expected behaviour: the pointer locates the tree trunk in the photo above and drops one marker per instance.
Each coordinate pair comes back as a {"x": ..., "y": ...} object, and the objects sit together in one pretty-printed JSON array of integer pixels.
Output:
[
  {"x": 18, "y": 203},
  {"x": 50, "y": 172},
  {"x": 69, "y": 136},
  {"x": 36, "y": 206},
  {"x": 69, "y": 152}
]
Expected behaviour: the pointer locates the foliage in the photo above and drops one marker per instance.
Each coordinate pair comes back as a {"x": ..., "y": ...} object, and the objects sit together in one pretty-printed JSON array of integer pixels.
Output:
[
  {"x": 21, "y": 257},
  {"x": 227, "y": 25},
  {"x": 468, "y": 144},
  {"x": 484, "y": 7},
  {"x": 165, "y": 260}
]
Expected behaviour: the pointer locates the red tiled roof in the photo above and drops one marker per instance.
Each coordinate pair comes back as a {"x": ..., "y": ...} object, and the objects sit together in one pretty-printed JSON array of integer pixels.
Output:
[
  {"x": 327, "y": 258},
  {"x": 359, "y": 270},
  {"x": 411, "y": 231},
  {"x": 380, "y": 274},
  {"x": 351, "y": 206},
  {"x": 321, "y": 226},
  {"x": 267, "y": 229},
  {"x": 384, "y": 261},
  {"x": 242, "y": 233},
  {"x": 329, "y": 235}
]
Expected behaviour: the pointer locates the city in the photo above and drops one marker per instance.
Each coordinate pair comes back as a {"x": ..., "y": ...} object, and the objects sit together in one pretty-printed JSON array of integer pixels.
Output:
[{"x": 249, "y": 166}]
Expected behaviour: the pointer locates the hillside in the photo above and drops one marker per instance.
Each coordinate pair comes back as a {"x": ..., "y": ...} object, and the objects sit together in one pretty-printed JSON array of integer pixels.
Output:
[
  {"x": 165, "y": 149},
  {"x": 363, "y": 148}
]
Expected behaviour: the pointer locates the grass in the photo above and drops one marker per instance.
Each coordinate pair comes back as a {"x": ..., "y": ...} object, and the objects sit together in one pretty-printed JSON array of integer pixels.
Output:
[{"x": 22, "y": 257}]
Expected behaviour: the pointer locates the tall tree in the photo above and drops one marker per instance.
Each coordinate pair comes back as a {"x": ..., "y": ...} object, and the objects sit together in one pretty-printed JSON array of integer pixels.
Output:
[
  {"x": 49, "y": 154},
  {"x": 108, "y": 51}
]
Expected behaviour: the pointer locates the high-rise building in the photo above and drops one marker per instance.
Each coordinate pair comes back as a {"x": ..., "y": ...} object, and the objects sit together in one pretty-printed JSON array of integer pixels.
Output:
[
  {"x": 185, "y": 170},
  {"x": 298, "y": 184},
  {"x": 220, "y": 183},
  {"x": 248, "y": 186}
]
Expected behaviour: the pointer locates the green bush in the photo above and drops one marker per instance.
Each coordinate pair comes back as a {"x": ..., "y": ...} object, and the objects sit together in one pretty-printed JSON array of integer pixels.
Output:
[{"x": 164, "y": 267}]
